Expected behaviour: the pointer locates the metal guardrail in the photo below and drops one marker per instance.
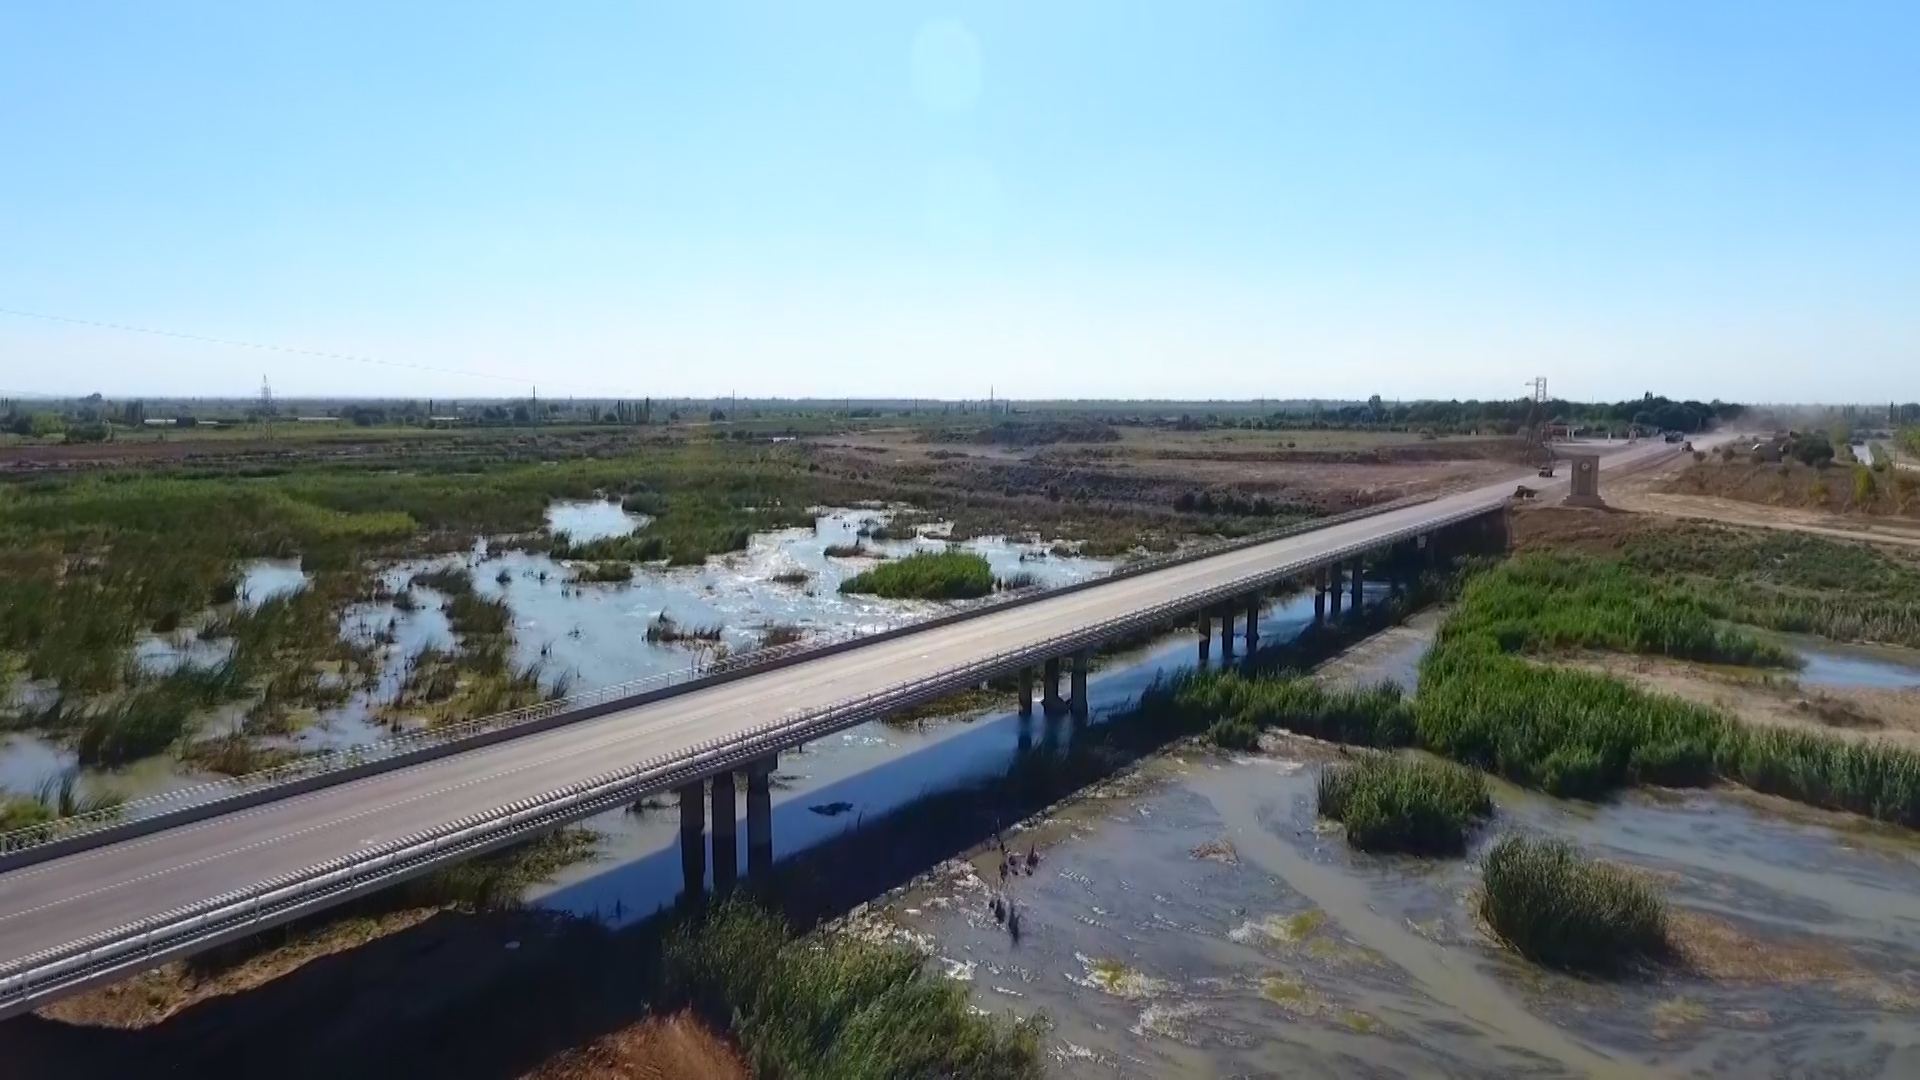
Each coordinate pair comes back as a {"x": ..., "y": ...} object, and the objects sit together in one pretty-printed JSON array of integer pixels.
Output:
[
  {"x": 358, "y": 758},
  {"x": 276, "y": 899}
]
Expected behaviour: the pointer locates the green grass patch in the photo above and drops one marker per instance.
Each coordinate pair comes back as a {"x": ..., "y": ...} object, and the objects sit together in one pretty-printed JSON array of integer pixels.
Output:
[
  {"x": 830, "y": 1006},
  {"x": 927, "y": 575},
  {"x": 1390, "y": 802},
  {"x": 1558, "y": 908}
]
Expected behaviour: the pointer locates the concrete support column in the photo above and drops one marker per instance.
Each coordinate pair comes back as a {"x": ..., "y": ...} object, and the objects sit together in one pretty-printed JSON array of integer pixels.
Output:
[
  {"x": 1253, "y": 622},
  {"x": 1356, "y": 585},
  {"x": 1320, "y": 596},
  {"x": 1050, "y": 687},
  {"x": 1206, "y": 636},
  {"x": 1226, "y": 634},
  {"x": 1335, "y": 594},
  {"x": 1082, "y": 663},
  {"x": 1026, "y": 692},
  {"x": 760, "y": 817},
  {"x": 693, "y": 841},
  {"x": 726, "y": 848}
]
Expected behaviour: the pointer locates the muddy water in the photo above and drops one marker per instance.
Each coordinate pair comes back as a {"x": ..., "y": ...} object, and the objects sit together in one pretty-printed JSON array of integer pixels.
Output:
[{"x": 1198, "y": 921}]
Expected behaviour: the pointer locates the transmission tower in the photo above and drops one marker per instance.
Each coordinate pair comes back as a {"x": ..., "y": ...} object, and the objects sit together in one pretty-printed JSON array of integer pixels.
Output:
[
  {"x": 1536, "y": 448},
  {"x": 266, "y": 406}
]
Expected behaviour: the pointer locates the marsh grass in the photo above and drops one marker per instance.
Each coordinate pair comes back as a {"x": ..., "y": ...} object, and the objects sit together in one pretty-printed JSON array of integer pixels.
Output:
[
  {"x": 826, "y": 1005},
  {"x": 665, "y": 630},
  {"x": 603, "y": 573},
  {"x": 926, "y": 575},
  {"x": 1390, "y": 802},
  {"x": 1558, "y": 908}
]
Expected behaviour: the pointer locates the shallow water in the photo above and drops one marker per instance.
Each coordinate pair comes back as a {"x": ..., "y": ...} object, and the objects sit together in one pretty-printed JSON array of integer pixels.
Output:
[
  {"x": 1877, "y": 667},
  {"x": 594, "y": 634},
  {"x": 263, "y": 579},
  {"x": 592, "y": 519},
  {"x": 580, "y": 636}
]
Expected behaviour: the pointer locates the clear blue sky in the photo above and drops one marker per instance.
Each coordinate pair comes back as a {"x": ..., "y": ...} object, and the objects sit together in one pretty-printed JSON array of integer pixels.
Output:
[{"x": 1058, "y": 199}]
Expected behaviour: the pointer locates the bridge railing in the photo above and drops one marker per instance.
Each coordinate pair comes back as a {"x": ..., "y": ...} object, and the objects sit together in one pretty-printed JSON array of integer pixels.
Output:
[
  {"x": 276, "y": 899},
  {"x": 360, "y": 759}
]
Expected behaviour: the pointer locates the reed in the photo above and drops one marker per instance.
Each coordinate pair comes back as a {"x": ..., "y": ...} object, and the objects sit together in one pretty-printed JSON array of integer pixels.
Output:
[
  {"x": 1390, "y": 802},
  {"x": 1558, "y": 908}
]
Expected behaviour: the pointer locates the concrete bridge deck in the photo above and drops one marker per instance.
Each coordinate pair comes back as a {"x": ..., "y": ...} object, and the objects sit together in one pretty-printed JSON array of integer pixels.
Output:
[{"x": 94, "y": 915}]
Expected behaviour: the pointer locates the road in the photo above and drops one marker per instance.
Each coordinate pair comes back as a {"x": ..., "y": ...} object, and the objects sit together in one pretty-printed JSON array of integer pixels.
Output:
[{"x": 66, "y": 899}]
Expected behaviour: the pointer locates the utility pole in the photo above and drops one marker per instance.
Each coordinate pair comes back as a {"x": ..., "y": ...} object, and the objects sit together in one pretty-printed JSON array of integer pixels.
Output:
[{"x": 266, "y": 406}]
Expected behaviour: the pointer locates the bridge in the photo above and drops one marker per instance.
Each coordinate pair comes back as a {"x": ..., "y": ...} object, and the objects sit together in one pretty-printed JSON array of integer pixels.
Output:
[{"x": 89, "y": 902}]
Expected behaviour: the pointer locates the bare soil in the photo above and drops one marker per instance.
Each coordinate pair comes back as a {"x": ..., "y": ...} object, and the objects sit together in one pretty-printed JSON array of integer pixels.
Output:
[
  {"x": 1774, "y": 497},
  {"x": 1777, "y": 700},
  {"x": 678, "y": 1047},
  {"x": 1149, "y": 469}
]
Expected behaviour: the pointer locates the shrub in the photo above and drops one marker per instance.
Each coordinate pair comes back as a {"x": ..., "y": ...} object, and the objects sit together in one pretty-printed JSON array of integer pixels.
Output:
[
  {"x": 1394, "y": 803},
  {"x": 1557, "y": 908}
]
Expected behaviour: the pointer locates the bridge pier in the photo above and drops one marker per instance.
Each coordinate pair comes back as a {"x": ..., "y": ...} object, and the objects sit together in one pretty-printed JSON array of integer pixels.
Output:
[
  {"x": 726, "y": 848},
  {"x": 1335, "y": 594},
  {"x": 693, "y": 842},
  {"x": 1050, "y": 701},
  {"x": 760, "y": 817},
  {"x": 1356, "y": 584},
  {"x": 1253, "y": 622},
  {"x": 1320, "y": 596},
  {"x": 1026, "y": 693},
  {"x": 1226, "y": 634},
  {"x": 1077, "y": 694},
  {"x": 1205, "y": 626}
]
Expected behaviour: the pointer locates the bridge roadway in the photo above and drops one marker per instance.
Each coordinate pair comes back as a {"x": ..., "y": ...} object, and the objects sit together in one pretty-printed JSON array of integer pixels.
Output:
[{"x": 65, "y": 900}]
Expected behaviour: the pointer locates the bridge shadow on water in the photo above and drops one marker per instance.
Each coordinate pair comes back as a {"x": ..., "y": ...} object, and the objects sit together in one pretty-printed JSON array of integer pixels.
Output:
[{"x": 494, "y": 994}]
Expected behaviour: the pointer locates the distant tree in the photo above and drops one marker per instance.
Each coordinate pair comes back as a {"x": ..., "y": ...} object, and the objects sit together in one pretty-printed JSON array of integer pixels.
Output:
[
  {"x": 134, "y": 413},
  {"x": 717, "y": 415},
  {"x": 46, "y": 423},
  {"x": 521, "y": 414},
  {"x": 1814, "y": 450}
]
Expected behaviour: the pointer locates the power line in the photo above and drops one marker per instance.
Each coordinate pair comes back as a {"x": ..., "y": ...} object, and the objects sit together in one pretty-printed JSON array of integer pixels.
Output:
[{"x": 288, "y": 349}]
